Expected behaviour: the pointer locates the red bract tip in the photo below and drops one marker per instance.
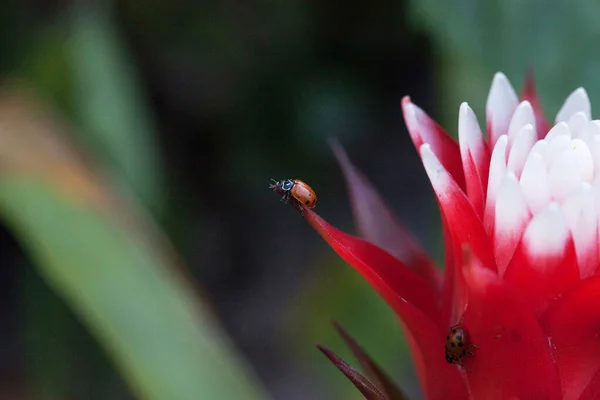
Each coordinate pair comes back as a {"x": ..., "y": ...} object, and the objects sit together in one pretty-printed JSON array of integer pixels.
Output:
[
  {"x": 530, "y": 94},
  {"x": 378, "y": 224},
  {"x": 423, "y": 129},
  {"x": 394, "y": 281}
]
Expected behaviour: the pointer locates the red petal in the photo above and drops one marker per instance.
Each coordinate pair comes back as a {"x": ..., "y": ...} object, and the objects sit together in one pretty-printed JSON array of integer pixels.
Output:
[
  {"x": 573, "y": 324},
  {"x": 475, "y": 157},
  {"x": 378, "y": 224},
  {"x": 530, "y": 94},
  {"x": 545, "y": 263},
  {"x": 474, "y": 188},
  {"x": 393, "y": 280},
  {"x": 464, "y": 223},
  {"x": 423, "y": 129},
  {"x": 364, "y": 385},
  {"x": 513, "y": 358}
]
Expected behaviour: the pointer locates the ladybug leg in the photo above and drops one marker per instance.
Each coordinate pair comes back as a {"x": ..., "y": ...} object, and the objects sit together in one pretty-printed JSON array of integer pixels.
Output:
[
  {"x": 298, "y": 207},
  {"x": 468, "y": 350},
  {"x": 301, "y": 209}
]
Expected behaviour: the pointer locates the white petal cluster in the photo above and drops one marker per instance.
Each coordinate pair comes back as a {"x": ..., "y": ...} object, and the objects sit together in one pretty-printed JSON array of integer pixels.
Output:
[{"x": 543, "y": 189}]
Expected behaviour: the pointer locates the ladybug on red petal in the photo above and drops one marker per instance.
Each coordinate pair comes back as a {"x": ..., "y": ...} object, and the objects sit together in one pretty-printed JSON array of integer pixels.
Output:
[{"x": 456, "y": 347}]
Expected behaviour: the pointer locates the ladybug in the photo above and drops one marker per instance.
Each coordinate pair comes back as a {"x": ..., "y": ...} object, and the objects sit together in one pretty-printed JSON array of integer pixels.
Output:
[
  {"x": 297, "y": 189},
  {"x": 456, "y": 347}
]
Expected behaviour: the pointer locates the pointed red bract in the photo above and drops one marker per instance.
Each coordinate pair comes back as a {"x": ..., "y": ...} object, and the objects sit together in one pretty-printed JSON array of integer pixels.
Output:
[
  {"x": 423, "y": 129},
  {"x": 378, "y": 224},
  {"x": 513, "y": 358},
  {"x": 573, "y": 326},
  {"x": 530, "y": 94},
  {"x": 475, "y": 191},
  {"x": 393, "y": 280},
  {"x": 475, "y": 158},
  {"x": 465, "y": 225}
]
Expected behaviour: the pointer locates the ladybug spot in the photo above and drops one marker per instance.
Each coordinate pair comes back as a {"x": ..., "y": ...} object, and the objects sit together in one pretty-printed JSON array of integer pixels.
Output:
[
  {"x": 460, "y": 344},
  {"x": 452, "y": 344},
  {"x": 306, "y": 202}
]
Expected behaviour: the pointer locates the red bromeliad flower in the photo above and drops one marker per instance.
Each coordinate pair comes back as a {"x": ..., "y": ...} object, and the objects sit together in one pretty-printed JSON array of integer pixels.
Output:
[{"x": 520, "y": 215}]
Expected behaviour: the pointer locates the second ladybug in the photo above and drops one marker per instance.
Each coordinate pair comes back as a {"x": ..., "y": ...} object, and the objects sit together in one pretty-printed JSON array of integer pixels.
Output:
[
  {"x": 297, "y": 189},
  {"x": 456, "y": 347}
]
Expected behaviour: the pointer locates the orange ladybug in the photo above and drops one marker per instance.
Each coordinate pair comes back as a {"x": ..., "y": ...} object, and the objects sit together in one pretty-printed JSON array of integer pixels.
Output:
[
  {"x": 297, "y": 189},
  {"x": 456, "y": 347}
]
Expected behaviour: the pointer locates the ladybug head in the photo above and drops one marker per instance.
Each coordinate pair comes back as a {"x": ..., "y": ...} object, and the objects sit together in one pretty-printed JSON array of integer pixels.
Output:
[{"x": 286, "y": 184}]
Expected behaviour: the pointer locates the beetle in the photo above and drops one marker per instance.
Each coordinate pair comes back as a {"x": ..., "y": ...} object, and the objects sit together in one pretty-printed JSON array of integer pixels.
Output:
[
  {"x": 456, "y": 348},
  {"x": 296, "y": 189}
]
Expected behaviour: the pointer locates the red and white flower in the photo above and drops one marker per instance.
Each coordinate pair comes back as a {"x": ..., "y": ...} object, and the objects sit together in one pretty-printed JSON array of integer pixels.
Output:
[{"x": 520, "y": 213}]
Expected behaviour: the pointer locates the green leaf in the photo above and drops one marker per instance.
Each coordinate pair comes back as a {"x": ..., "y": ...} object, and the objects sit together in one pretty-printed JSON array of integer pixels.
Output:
[
  {"x": 110, "y": 104},
  {"x": 110, "y": 263},
  {"x": 47, "y": 329}
]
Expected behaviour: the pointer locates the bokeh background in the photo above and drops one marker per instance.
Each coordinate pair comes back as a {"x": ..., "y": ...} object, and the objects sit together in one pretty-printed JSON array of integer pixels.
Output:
[{"x": 186, "y": 109}]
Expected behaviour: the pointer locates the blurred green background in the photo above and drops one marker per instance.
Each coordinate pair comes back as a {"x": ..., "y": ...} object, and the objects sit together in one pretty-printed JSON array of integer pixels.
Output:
[{"x": 182, "y": 111}]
